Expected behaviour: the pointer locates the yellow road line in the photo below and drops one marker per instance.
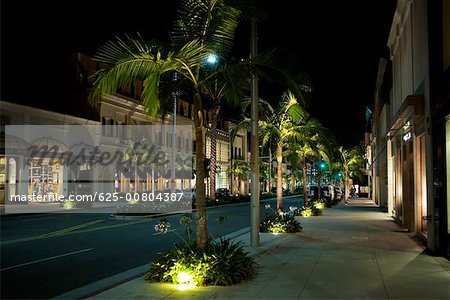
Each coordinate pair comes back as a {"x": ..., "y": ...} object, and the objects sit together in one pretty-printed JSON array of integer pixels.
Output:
[
  {"x": 65, "y": 232},
  {"x": 68, "y": 229}
]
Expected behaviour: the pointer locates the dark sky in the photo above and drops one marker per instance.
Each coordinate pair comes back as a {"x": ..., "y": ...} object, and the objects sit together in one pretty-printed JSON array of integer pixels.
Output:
[{"x": 339, "y": 43}]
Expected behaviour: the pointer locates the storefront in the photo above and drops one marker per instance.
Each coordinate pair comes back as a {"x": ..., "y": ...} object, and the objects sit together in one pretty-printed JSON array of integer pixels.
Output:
[
  {"x": 47, "y": 176},
  {"x": 407, "y": 156}
]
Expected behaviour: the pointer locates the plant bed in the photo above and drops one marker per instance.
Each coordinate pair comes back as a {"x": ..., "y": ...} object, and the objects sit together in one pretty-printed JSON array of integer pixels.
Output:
[
  {"x": 279, "y": 223},
  {"x": 313, "y": 208},
  {"x": 223, "y": 262}
]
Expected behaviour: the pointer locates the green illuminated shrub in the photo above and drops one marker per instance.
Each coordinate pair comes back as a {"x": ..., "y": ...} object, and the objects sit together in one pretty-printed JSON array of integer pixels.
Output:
[
  {"x": 222, "y": 263},
  {"x": 279, "y": 223}
]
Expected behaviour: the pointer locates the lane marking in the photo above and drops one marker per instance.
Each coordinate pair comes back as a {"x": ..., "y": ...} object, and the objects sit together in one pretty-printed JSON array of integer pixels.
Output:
[
  {"x": 46, "y": 236},
  {"x": 50, "y": 234},
  {"x": 46, "y": 259},
  {"x": 36, "y": 219},
  {"x": 72, "y": 228}
]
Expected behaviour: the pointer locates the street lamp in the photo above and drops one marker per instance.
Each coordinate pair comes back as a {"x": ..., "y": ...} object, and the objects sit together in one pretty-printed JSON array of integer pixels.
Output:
[
  {"x": 211, "y": 63},
  {"x": 212, "y": 59}
]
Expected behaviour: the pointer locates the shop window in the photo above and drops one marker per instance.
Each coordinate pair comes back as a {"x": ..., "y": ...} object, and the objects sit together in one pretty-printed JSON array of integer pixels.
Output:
[
  {"x": 2, "y": 172},
  {"x": 12, "y": 178}
]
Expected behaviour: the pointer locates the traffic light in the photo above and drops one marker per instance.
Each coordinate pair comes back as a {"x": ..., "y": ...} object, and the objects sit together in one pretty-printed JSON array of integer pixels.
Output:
[
  {"x": 322, "y": 165},
  {"x": 207, "y": 164}
]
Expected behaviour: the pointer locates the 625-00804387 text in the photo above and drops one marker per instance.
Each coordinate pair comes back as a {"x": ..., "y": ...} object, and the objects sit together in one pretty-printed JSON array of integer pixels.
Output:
[
  {"x": 101, "y": 197},
  {"x": 113, "y": 197}
]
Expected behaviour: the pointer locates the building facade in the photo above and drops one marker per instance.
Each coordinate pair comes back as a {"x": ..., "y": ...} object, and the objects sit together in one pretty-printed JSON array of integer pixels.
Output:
[
  {"x": 122, "y": 108},
  {"x": 410, "y": 137}
]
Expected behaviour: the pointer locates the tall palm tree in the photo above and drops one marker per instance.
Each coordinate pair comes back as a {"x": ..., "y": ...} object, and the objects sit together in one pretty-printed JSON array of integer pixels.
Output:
[
  {"x": 202, "y": 27},
  {"x": 295, "y": 161},
  {"x": 280, "y": 126},
  {"x": 352, "y": 161},
  {"x": 240, "y": 170},
  {"x": 308, "y": 145},
  {"x": 229, "y": 81}
]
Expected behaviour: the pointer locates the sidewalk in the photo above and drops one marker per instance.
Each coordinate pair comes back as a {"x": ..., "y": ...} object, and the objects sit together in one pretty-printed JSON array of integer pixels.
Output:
[{"x": 350, "y": 252}]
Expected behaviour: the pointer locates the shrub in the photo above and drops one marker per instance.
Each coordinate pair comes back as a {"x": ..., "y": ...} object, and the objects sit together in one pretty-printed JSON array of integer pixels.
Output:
[
  {"x": 222, "y": 263},
  {"x": 306, "y": 212},
  {"x": 314, "y": 208},
  {"x": 279, "y": 223}
]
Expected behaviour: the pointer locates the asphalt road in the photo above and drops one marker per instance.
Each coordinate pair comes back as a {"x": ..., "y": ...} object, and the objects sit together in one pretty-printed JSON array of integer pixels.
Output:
[{"x": 43, "y": 256}]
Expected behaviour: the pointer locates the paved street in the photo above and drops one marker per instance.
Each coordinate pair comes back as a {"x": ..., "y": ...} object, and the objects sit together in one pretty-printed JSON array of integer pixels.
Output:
[
  {"x": 46, "y": 255},
  {"x": 351, "y": 252}
]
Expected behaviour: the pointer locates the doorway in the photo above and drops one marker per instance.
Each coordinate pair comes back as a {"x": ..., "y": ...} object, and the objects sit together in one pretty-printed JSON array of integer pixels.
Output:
[{"x": 421, "y": 186}]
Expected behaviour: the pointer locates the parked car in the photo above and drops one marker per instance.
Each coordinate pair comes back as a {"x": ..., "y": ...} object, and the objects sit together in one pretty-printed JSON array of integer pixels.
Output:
[
  {"x": 338, "y": 194},
  {"x": 326, "y": 190},
  {"x": 222, "y": 192},
  {"x": 274, "y": 190}
]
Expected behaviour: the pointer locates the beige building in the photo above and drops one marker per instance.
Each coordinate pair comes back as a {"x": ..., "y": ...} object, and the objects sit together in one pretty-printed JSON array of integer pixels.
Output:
[
  {"x": 113, "y": 111},
  {"x": 411, "y": 115}
]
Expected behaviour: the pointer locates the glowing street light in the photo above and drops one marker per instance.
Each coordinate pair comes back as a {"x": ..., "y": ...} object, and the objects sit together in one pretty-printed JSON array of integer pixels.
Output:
[{"x": 212, "y": 59}]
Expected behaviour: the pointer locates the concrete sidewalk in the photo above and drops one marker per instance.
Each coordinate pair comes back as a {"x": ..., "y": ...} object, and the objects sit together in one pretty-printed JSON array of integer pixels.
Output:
[{"x": 351, "y": 252}]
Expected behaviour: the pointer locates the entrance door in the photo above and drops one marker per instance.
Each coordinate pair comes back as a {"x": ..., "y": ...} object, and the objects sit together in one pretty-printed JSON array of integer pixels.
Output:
[
  {"x": 408, "y": 186},
  {"x": 398, "y": 185},
  {"x": 421, "y": 186}
]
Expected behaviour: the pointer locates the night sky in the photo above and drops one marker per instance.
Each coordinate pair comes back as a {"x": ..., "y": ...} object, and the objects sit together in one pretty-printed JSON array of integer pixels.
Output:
[{"x": 339, "y": 44}]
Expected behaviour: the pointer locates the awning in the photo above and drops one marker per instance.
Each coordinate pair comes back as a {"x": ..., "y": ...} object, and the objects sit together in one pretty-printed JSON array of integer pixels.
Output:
[{"x": 412, "y": 108}]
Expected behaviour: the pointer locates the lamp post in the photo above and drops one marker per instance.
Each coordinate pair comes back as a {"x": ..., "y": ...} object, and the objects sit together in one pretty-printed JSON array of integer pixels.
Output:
[
  {"x": 254, "y": 203},
  {"x": 212, "y": 60},
  {"x": 174, "y": 133}
]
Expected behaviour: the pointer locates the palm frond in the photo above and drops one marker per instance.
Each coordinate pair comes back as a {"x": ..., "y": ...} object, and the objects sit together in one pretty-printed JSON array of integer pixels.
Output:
[
  {"x": 211, "y": 22},
  {"x": 230, "y": 81},
  {"x": 280, "y": 66},
  {"x": 244, "y": 124},
  {"x": 290, "y": 107},
  {"x": 130, "y": 60}
]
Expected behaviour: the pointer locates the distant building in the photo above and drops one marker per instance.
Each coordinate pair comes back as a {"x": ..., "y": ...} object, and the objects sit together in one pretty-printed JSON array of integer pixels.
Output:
[{"x": 67, "y": 105}]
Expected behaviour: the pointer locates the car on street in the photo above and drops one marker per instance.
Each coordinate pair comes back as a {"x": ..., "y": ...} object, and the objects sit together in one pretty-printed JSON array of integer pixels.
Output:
[
  {"x": 338, "y": 194},
  {"x": 222, "y": 192},
  {"x": 326, "y": 191}
]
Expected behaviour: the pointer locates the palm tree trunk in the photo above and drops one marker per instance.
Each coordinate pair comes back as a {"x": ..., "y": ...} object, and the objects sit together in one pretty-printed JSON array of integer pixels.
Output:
[
  {"x": 280, "y": 177},
  {"x": 213, "y": 155},
  {"x": 319, "y": 188},
  {"x": 347, "y": 187},
  {"x": 292, "y": 179},
  {"x": 202, "y": 230},
  {"x": 305, "y": 191}
]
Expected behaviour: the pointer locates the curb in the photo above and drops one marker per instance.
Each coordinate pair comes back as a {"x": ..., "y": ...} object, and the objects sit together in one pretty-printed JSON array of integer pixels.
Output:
[
  {"x": 122, "y": 217},
  {"x": 102, "y": 285}
]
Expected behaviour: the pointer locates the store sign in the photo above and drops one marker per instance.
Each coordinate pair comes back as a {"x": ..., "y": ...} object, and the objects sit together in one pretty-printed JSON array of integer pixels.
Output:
[{"x": 407, "y": 136}]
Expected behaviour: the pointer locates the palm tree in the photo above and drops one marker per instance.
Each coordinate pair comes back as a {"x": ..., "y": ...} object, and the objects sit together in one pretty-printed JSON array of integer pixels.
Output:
[
  {"x": 279, "y": 126},
  {"x": 240, "y": 170},
  {"x": 202, "y": 27},
  {"x": 352, "y": 160},
  {"x": 229, "y": 81},
  {"x": 308, "y": 145},
  {"x": 295, "y": 161}
]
